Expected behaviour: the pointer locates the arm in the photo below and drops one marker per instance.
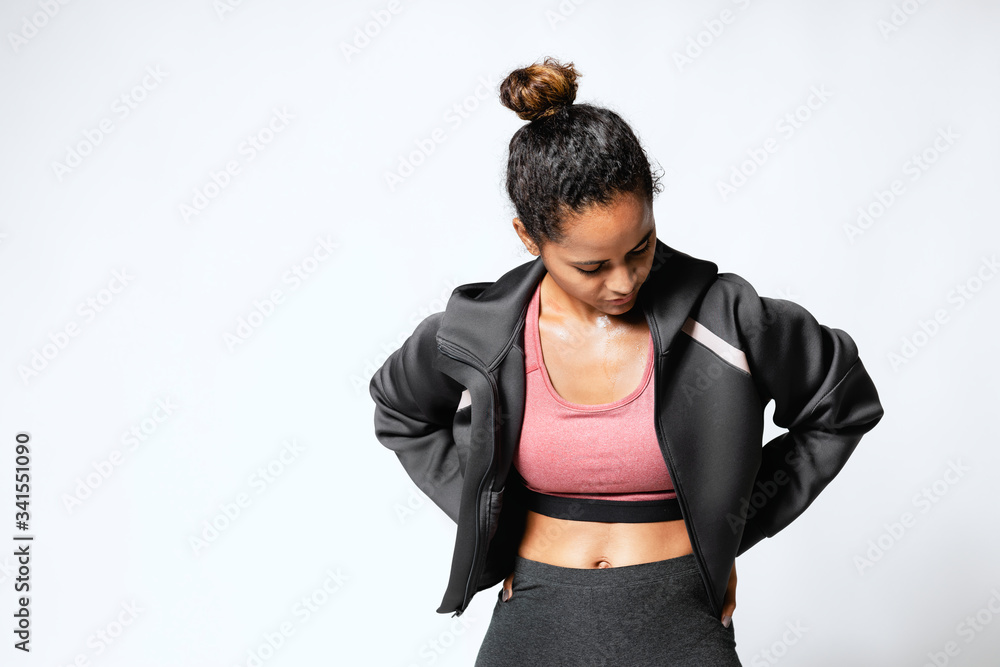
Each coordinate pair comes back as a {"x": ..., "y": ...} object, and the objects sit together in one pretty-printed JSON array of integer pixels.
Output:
[
  {"x": 822, "y": 394},
  {"x": 415, "y": 408}
]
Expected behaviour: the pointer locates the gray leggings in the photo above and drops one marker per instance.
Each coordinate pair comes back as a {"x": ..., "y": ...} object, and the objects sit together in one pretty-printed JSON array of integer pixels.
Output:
[{"x": 650, "y": 614}]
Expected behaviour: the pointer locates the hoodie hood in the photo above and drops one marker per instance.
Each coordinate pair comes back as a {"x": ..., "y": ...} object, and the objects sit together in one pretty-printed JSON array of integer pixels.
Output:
[{"x": 482, "y": 318}]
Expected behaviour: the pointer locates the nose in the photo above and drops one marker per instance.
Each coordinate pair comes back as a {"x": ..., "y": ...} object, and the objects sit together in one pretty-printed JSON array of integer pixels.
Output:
[{"x": 621, "y": 282}]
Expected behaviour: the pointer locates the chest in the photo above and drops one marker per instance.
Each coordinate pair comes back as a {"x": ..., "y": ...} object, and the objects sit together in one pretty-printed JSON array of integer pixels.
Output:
[{"x": 593, "y": 367}]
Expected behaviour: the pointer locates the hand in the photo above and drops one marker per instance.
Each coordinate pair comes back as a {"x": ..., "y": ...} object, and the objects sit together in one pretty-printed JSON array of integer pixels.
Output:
[
  {"x": 507, "y": 587},
  {"x": 729, "y": 604}
]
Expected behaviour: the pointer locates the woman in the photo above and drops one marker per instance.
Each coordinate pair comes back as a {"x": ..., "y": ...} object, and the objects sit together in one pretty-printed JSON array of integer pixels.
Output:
[{"x": 608, "y": 469}]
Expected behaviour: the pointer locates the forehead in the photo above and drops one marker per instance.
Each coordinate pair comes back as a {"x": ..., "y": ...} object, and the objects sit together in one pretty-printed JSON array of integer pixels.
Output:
[{"x": 623, "y": 223}]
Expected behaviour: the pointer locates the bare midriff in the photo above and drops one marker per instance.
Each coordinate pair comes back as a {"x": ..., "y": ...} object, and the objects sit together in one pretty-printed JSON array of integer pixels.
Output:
[{"x": 591, "y": 544}]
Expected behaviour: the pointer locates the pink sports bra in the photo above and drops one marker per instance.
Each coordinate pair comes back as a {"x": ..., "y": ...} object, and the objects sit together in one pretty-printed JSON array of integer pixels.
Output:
[{"x": 590, "y": 462}]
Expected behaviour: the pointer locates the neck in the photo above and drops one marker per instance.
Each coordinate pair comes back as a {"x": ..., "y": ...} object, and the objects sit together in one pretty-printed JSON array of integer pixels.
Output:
[{"x": 571, "y": 310}]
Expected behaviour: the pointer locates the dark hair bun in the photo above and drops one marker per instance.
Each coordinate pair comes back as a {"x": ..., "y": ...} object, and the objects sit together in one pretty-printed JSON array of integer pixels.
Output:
[{"x": 539, "y": 90}]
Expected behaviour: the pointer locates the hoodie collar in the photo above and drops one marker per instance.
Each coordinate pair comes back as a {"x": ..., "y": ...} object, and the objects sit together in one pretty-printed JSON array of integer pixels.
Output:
[{"x": 482, "y": 318}]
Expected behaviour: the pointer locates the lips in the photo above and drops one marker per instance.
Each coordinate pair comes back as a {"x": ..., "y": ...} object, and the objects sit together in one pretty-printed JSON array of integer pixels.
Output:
[{"x": 620, "y": 302}]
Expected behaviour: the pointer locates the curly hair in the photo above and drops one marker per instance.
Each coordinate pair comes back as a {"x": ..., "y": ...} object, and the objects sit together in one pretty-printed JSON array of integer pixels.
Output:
[{"x": 568, "y": 157}]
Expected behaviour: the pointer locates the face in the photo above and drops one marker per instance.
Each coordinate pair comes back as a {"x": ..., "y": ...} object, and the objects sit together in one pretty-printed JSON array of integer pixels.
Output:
[{"x": 605, "y": 255}]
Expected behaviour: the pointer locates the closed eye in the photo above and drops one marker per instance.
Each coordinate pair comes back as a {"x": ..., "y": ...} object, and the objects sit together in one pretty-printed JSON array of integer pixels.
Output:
[{"x": 634, "y": 253}]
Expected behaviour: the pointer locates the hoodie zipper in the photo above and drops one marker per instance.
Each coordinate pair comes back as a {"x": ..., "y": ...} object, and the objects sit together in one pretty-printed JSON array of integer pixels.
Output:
[
  {"x": 460, "y": 354},
  {"x": 670, "y": 464}
]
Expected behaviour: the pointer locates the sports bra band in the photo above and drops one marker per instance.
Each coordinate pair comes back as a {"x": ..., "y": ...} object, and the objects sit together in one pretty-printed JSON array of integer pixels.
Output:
[{"x": 596, "y": 509}]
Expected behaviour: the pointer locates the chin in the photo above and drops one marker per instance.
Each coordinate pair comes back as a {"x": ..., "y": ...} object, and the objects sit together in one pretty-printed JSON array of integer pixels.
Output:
[{"x": 612, "y": 309}]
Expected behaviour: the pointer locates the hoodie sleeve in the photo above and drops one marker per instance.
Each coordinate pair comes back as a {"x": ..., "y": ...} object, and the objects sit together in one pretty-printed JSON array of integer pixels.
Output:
[
  {"x": 822, "y": 395},
  {"x": 415, "y": 408}
]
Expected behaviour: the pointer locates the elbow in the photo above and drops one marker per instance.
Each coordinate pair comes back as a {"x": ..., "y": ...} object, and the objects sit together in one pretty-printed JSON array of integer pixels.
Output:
[{"x": 854, "y": 406}]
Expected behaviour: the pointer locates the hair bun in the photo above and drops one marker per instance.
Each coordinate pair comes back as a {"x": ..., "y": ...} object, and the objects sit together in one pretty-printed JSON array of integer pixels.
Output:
[{"x": 539, "y": 90}]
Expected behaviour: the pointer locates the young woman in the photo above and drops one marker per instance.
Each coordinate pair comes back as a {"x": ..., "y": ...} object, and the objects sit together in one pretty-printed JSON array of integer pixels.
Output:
[{"x": 608, "y": 467}]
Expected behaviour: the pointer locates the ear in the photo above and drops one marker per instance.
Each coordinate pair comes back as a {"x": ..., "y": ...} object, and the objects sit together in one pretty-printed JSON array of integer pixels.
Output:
[{"x": 525, "y": 239}]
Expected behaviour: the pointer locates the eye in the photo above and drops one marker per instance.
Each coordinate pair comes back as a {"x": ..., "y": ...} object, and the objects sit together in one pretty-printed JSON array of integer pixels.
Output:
[{"x": 634, "y": 253}]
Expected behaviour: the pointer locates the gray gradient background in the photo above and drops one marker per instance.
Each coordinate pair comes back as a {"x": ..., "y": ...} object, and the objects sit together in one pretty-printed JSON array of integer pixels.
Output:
[{"x": 303, "y": 373}]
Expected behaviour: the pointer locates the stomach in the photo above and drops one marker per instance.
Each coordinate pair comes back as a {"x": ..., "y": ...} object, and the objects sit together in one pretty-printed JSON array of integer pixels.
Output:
[{"x": 592, "y": 544}]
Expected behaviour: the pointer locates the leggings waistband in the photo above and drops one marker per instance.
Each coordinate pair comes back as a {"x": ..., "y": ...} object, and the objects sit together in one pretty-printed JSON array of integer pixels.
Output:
[{"x": 625, "y": 574}]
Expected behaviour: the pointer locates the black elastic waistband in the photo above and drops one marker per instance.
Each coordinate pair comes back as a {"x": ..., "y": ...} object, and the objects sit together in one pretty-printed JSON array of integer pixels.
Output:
[
  {"x": 597, "y": 509},
  {"x": 621, "y": 575}
]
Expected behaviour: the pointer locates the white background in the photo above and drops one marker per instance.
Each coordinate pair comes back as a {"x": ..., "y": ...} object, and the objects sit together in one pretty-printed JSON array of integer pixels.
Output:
[{"x": 163, "y": 332}]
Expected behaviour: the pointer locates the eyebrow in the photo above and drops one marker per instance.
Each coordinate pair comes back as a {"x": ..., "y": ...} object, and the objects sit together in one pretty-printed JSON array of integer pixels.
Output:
[{"x": 601, "y": 261}]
